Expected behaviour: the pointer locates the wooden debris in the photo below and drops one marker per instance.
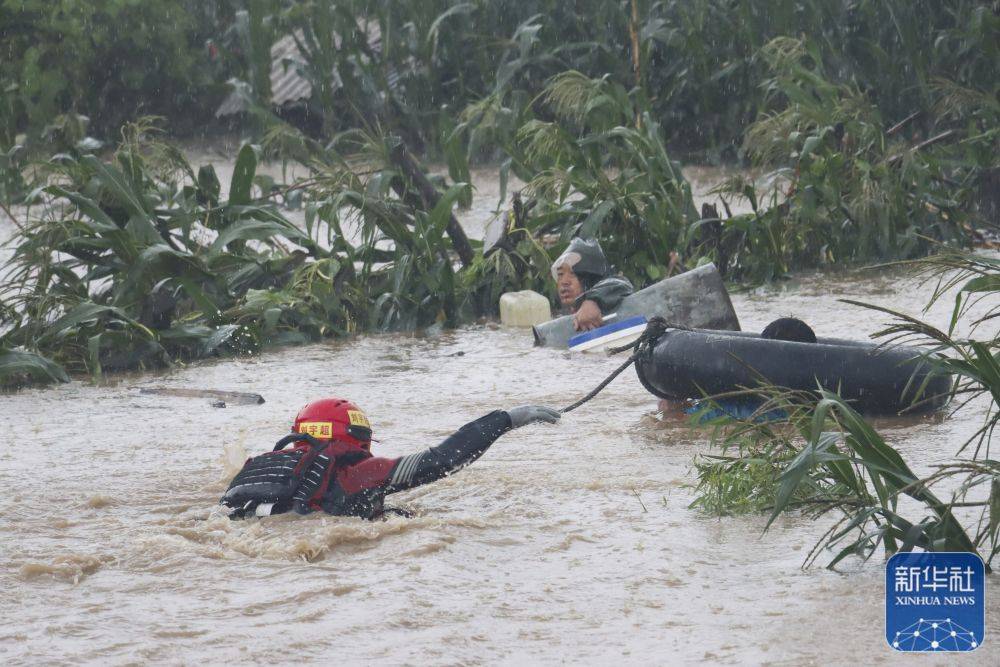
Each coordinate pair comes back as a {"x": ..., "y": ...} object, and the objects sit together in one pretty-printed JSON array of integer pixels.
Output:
[{"x": 233, "y": 397}]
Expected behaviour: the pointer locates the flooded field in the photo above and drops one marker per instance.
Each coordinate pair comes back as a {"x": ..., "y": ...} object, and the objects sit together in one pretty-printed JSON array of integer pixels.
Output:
[{"x": 566, "y": 543}]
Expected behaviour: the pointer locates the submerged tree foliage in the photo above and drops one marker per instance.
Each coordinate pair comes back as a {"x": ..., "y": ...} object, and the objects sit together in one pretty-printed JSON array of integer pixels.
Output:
[{"x": 826, "y": 458}]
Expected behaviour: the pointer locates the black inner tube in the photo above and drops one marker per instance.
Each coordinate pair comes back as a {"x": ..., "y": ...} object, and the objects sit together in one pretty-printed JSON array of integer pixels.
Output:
[{"x": 875, "y": 380}]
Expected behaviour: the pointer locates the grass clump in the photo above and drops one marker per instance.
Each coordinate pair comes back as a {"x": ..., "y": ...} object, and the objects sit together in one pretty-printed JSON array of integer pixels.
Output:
[{"x": 826, "y": 458}]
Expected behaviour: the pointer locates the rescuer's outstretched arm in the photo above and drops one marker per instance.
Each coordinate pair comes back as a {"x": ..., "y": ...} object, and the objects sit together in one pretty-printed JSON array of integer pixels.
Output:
[{"x": 463, "y": 447}]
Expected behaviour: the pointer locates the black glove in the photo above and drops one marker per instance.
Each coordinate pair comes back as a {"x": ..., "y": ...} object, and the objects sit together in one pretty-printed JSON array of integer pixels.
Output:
[{"x": 528, "y": 414}]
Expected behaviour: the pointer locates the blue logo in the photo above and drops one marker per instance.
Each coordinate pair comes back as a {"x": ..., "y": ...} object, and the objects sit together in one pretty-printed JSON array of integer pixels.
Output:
[{"x": 935, "y": 601}]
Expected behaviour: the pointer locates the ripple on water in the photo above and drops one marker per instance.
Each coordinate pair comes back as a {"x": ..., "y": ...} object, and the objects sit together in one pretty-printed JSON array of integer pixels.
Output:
[{"x": 72, "y": 568}]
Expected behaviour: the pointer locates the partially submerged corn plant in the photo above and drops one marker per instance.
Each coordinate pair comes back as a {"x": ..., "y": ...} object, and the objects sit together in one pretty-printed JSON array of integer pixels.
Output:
[
  {"x": 593, "y": 171},
  {"x": 140, "y": 261},
  {"x": 827, "y": 458},
  {"x": 850, "y": 186},
  {"x": 846, "y": 187},
  {"x": 408, "y": 231},
  {"x": 137, "y": 261}
]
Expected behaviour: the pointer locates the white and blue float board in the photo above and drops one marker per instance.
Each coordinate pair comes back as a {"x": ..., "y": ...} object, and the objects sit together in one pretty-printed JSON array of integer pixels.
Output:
[{"x": 607, "y": 334}]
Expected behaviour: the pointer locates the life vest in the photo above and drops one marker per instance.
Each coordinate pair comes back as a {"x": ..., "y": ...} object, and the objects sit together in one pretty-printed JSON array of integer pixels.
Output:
[{"x": 295, "y": 479}]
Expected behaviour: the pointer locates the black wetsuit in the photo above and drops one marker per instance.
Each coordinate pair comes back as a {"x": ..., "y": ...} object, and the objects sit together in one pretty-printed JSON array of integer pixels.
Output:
[{"x": 344, "y": 480}]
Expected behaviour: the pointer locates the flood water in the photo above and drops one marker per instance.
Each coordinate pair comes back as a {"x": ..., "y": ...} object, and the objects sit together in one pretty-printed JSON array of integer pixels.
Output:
[{"x": 565, "y": 543}]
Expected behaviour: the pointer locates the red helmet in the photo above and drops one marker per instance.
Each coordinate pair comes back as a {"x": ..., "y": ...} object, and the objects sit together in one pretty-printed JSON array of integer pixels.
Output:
[{"x": 335, "y": 419}]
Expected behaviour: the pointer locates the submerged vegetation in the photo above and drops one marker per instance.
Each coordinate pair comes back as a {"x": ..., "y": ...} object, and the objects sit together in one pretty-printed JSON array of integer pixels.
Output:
[
  {"x": 876, "y": 123},
  {"x": 592, "y": 171},
  {"x": 695, "y": 63},
  {"x": 139, "y": 261},
  {"x": 108, "y": 60},
  {"x": 844, "y": 187},
  {"x": 848, "y": 187},
  {"x": 826, "y": 458}
]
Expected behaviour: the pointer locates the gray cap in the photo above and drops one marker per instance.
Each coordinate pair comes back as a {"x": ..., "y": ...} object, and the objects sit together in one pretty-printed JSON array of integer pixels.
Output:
[{"x": 583, "y": 256}]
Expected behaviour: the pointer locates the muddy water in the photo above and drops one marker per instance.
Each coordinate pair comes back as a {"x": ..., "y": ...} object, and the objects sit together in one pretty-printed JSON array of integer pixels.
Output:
[{"x": 566, "y": 543}]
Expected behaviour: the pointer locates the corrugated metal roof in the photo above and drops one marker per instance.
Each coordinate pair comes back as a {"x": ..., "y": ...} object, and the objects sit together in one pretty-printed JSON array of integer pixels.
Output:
[{"x": 287, "y": 84}]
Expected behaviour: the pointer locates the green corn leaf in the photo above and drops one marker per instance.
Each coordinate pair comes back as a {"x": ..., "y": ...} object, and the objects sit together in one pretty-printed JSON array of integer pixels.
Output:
[
  {"x": 241, "y": 185},
  {"x": 113, "y": 179},
  {"x": 17, "y": 363},
  {"x": 440, "y": 215},
  {"x": 208, "y": 184},
  {"x": 94, "y": 350},
  {"x": 89, "y": 312},
  {"x": 247, "y": 230},
  {"x": 87, "y": 206},
  {"x": 592, "y": 223},
  {"x": 218, "y": 337}
]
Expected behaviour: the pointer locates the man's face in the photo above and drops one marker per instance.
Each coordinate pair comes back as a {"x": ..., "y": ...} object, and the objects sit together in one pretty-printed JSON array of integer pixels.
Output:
[{"x": 568, "y": 284}]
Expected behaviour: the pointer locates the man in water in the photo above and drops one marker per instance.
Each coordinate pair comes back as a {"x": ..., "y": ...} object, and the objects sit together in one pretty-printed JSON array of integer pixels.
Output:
[
  {"x": 588, "y": 287},
  {"x": 741, "y": 407},
  {"x": 330, "y": 468}
]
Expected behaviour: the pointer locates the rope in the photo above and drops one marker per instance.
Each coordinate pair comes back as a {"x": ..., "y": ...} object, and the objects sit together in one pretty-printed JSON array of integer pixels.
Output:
[
  {"x": 598, "y": 388},
  {"x": 643, "y": 345}
]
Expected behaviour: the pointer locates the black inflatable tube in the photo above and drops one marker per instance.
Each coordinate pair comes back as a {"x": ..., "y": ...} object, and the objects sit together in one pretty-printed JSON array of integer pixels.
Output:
[{"x": 695, "y": 363}]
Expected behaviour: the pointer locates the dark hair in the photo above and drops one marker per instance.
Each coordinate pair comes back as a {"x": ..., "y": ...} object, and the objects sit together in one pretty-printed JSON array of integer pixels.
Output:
[{"x": 790, "y": 329}]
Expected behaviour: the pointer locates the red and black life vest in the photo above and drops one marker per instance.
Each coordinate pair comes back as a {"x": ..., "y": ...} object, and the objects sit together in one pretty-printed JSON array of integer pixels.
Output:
[{"x": 300, "y": 479}]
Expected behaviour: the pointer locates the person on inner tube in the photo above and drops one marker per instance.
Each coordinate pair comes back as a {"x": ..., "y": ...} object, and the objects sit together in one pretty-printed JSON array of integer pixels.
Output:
[
  {"x": 588, "y": 287},
  {"x": 741, "y": 407},
  {"x": 330, "y": 466}
]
